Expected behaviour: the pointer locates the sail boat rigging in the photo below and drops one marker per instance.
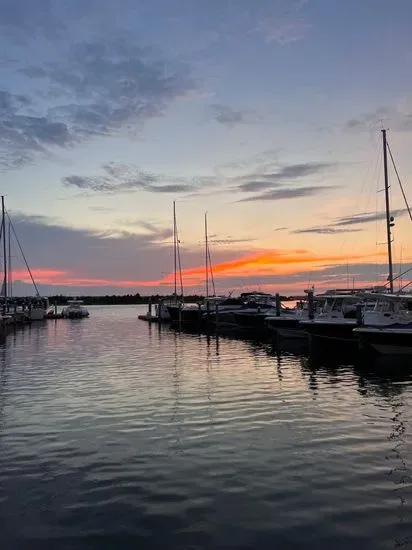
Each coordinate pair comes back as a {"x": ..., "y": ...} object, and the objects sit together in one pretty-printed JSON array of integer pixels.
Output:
[
  {"x": 176, "y": 255},
  {"x": 389, "y": 218},
  {"x": 208, "y": 263},
  {"x": 38, "y": 306}
]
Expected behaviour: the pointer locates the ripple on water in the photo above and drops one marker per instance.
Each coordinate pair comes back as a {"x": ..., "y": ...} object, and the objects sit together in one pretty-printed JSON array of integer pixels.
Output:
[{"x": 117, "y": 434}]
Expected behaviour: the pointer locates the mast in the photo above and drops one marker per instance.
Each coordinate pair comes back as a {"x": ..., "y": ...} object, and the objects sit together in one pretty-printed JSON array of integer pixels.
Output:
[
  {"x": 389, "y": 219},
  {"x": 10, "y": 270},
  {"x": 3, "y": 230},
  {"x": 174, "y": 248},
  {"x": 206, "y": 258}
]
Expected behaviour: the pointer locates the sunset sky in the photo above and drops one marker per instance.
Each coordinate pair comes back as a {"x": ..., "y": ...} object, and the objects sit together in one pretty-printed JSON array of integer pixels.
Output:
[{"x": 264, "y": 113}]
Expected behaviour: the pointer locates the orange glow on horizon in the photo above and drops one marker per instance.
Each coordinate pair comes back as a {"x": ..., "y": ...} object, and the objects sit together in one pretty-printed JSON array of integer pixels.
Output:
[{"x": 263, "y": 263}]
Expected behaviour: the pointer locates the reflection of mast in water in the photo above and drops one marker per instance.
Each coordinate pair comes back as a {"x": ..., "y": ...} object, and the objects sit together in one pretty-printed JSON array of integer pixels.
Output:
[
  {"x": 3, "y": 384},
  {"x": 400, "y": 474},
  {"x": 210, "y": 381},
  {"x": 176, "y": 391},
  {"x": 208, "y": 342}
]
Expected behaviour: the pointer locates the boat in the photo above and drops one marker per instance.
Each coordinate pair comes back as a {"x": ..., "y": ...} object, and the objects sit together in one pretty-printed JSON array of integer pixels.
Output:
[
  {"x": 392, "y": 340},
  {"x": 211, "y": 308},
  {"x": 34, "y": 308},
  {"x": 257, "y": 306},
  {"x": 286, "y": 323},
  {"x": 167, "y": 309},
  {"x": 393, "y": 336},
  {"x": 38, "y": 308},
  {"x": 336, "y": 320},
  {"x": 337, "y": 327},
  {"x": 74, "y": 310}
]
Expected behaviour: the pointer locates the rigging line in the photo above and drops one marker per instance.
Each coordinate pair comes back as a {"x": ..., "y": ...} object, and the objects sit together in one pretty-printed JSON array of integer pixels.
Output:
[
  {"x": 22, "y": 253},
  {"x": 400, "y": 275},
  {"x": 399, "y": 181},
  {"x": 211, "y": 271},
  {"x": 404, "y": 286},
  {"x": 179, "y": 262}
]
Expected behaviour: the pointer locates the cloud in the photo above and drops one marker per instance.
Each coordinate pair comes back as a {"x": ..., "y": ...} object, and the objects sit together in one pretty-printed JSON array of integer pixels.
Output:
[
  {"x": 324, "y": 230},
  {"x": 106, "y": 86},
  {"x": 397, "y": 117},
  {"x": 343, "y": 224},
  {"x": 230, "y": 117},
  {"x": 289, "y": 193},
  {"x": 69, "y": 260},
  {"x": 366, "y": 217},
  {"x": 259, "y": 180},
  {"x": 122, "y": 178}
]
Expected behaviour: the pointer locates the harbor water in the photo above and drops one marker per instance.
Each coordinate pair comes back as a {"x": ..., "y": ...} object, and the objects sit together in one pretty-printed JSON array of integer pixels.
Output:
[{"x": 119, "y": 434}]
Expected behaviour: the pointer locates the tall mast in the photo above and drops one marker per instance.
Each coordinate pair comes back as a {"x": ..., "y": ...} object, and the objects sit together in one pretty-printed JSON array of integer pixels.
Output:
[
  {"x": 206, "y": 258},
  {"x": 3, "y": 230},
  {"x": 10, "y": 270},
  {"x": 175, "y": 247},
  {"x": 388, "y": 214}
]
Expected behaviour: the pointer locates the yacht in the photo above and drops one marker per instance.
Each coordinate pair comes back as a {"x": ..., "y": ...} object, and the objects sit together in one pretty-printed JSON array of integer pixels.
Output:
[
  {"x": 393, "y": 337},
  {"x": 74, "y": 310},
  {"x": 38, "y": 308}
]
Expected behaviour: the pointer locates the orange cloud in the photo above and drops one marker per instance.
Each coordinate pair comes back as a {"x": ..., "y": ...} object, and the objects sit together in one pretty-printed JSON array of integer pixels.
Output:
[
  {"x": 268, "y": 263},
  {"x": 263, "y": 263}
]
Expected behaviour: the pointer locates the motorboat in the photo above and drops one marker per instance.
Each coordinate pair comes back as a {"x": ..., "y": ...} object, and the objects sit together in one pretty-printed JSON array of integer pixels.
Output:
[
  {"x": 38, "y": 308},
  {"x": 74, "y": 310}
]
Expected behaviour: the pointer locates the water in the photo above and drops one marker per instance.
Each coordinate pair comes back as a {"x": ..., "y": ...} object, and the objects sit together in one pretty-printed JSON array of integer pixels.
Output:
[{"x": 116, "y": 435}]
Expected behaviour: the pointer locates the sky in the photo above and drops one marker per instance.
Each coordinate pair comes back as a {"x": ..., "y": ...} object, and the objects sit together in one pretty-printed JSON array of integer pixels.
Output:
[{"x": 266, "y": 114}]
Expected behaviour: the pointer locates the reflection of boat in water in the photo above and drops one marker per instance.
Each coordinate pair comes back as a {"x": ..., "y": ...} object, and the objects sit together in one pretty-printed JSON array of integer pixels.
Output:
[
  {"x": 391, "y": 340},
  {"x": 74, "y": 310}
]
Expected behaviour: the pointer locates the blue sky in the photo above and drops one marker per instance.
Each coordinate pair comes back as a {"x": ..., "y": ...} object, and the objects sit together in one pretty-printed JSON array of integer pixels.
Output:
[{"x": 265, "y": 113}]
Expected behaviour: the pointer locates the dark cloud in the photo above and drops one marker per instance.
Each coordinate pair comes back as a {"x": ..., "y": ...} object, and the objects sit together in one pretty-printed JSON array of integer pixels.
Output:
[
  {"x": 231, "y": 240},
  {"x": 261, "y": 180},
  {"x": 256, "y": 185},
  {"x": 116, "y": 255},
  {"x": 230, "y": 117},
  {"x": 289, "y": 193},
  {"x": 325, "y": 230},
  {"x": 366, "y": 217},
  {"x": 120, "y": 178},
  {"x": 103, "y": 87},
  {"x": 113, "y": 254},
  {"x": 344, "y": 223},
  {"x": 297, "y": 171}
]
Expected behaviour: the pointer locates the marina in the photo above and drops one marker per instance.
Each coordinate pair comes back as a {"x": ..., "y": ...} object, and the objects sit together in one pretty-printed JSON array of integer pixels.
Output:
[{"x": 205, "y": 275}]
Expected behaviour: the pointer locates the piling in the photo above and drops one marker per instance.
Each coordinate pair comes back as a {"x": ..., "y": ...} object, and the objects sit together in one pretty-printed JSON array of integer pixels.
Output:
[
  {"x": 359, "y": 314},
  {"x": 277, "y": 302},
  {"x": 311, "y": 305}
]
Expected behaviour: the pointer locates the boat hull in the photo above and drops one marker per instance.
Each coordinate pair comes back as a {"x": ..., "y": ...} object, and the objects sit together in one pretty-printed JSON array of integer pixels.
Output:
[
  {"x": 385, "y": 342},
  {"x": 185, "y": 316},
  {"x": 287, "y": 328}
]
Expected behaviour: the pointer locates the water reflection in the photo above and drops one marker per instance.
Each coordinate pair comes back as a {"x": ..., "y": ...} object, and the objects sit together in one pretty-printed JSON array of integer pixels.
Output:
[{"x": 120, "y": 431}]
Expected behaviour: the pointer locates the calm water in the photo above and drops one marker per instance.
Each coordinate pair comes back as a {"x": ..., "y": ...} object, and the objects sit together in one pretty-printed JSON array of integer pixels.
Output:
[{"x": 116, "y": 435}]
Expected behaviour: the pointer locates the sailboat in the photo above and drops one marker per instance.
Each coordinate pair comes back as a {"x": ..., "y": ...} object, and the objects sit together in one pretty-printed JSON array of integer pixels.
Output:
[
  {"x": 37, "y": 306},
  {"x": 368, "y": 309},
  {"x": 204, "y": 312},
  {"x": 168, "y": 310}
]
